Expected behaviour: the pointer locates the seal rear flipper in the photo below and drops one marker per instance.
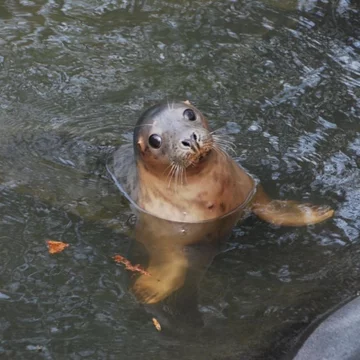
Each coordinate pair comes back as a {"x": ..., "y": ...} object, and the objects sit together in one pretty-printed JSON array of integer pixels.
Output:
[{"x": 288, "y": 213}]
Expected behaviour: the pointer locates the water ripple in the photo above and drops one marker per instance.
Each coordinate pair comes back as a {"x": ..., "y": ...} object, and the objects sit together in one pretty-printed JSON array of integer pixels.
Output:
[{"x": 280, "y": 77}]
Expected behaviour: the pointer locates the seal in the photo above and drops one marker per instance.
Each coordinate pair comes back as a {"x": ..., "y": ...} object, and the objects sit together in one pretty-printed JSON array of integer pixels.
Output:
[{"x": 179, "y": 170}]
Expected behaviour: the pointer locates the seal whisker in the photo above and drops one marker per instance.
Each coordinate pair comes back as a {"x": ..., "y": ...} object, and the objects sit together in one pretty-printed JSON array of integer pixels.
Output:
[
  {"x": 168, "y": 177},
  {"x": 216, "y": 130},
  {"x": 125, "y": 126},
  {"x": 169, "y": 166},
  {"x": 171, "y": 173},
  {"x": 228, "y": 144},
  {"x": 173, "y": 176},
  {"x": 221, "y": 151},
  {"x": 178, "y": 175},
  {"x": 225, "y": 148},
  {"x": 224, "y": 144},
  {"x": 184, "y": 172},
  {"x": 132, "y": 126},
  {"x": 141, "y": 125},
  {"x": 222, "y": 139}
]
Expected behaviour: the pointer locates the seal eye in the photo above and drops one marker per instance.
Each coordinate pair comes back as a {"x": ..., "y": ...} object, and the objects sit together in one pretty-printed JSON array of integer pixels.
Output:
[
  {"x": 155, "y": 141},
  {"x": 189, "y": 114}
]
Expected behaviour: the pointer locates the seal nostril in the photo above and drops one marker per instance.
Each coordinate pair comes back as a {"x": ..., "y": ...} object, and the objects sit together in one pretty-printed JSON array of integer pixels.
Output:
[
  {"x": 194, "y": 137},
  {"x": 186, "y": 143}
]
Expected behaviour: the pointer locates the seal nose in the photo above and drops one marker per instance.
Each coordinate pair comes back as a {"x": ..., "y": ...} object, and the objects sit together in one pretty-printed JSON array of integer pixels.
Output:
[{"x": 192, "y": 142}]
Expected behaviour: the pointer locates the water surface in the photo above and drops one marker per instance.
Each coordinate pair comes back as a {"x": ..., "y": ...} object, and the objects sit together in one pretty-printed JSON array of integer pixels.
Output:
[{"x": 282, "y": 78}]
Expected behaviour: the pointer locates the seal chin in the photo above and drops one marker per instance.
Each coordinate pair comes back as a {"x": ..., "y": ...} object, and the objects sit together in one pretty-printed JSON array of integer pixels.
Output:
[{"x": 195, "y": 159}]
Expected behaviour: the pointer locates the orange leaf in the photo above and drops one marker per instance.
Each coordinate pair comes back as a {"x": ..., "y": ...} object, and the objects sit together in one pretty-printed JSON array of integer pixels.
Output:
[
  {"x": 121, "y": 260},
  {"x": 156, "y": 324},
  {"x": 56, "y": 246}
]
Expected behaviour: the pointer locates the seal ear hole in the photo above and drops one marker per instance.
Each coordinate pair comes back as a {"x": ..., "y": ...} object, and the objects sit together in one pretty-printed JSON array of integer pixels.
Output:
[
  {"x": 141, "y": 144},
  {"x": 155, "y": 141},
  {"x": 189, "y": 114}
]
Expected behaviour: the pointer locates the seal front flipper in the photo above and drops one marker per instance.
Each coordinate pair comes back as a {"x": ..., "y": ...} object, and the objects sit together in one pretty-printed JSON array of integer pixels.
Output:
[
  {"x": 167, "y": 274},
  {"x": 286, "y": 212}
]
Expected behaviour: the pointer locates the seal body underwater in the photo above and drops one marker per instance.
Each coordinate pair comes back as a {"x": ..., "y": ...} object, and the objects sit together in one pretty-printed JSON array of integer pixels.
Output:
[{"x": 177, "y": 169}]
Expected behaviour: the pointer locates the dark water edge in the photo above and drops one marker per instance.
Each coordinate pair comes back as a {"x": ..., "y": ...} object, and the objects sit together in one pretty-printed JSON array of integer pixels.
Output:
[{"x": 283, "y": 80}]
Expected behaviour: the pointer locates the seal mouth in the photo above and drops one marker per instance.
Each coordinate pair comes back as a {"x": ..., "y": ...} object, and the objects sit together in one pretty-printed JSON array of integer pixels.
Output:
[
  {"x": 198, "y": 156},
  {"x": 203, "y": 155}
]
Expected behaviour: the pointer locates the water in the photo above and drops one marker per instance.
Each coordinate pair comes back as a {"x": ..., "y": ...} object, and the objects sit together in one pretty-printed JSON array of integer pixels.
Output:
[{"x": 282, "y": 78}]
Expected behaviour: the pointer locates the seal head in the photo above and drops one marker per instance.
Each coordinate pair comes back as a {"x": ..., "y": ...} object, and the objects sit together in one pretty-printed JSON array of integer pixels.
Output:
[
  {"x": 173, "y": 137},
  {"x": 183, "y": 170}
]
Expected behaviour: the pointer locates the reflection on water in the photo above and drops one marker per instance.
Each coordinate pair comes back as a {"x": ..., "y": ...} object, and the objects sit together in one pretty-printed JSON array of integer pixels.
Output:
[{"x": 280, "y": 77}]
